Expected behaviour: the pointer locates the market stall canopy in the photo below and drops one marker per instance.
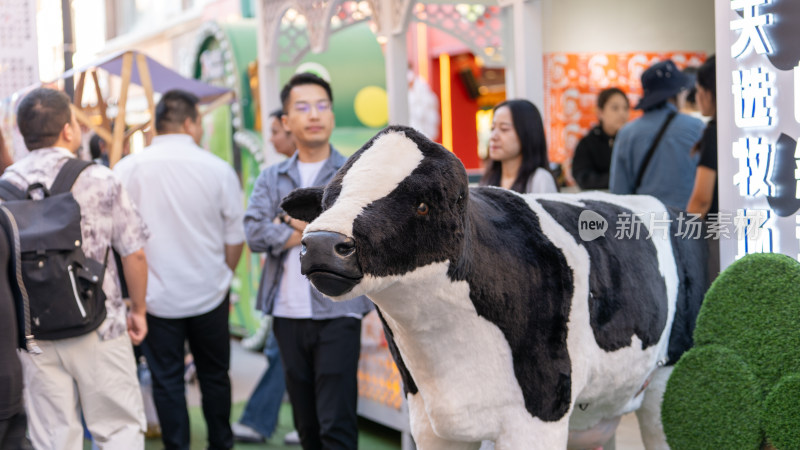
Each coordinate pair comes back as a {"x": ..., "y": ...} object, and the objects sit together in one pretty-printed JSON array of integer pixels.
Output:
[
  {"x": 163, "y": 79},
  {"x": 137, "y": 68}
]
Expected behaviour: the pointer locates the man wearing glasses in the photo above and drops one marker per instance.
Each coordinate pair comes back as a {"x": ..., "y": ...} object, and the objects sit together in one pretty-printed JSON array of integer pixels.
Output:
[{"x": 319, "y": 340}]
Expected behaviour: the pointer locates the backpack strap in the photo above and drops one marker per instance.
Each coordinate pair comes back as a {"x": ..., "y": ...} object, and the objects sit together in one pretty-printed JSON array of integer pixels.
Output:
[
  {"x": 68, "y": 174},
  {"x": 10, "y": 192}
]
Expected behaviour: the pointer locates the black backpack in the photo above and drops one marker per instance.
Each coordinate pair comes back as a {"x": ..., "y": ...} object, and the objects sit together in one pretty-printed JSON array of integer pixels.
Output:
[{"x": 58, "y": 289}]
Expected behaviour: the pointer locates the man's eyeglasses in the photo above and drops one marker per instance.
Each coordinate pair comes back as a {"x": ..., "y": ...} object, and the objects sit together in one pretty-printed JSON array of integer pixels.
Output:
[{"x": 305, "y": 108}]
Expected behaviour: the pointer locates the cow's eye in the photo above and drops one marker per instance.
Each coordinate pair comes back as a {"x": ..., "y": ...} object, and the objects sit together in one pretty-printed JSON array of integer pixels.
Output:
[{"x": 422, "y": 209}]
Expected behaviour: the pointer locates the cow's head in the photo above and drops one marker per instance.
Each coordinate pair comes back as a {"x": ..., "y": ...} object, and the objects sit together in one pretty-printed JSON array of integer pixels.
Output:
[{"x": 398, "y": 204}]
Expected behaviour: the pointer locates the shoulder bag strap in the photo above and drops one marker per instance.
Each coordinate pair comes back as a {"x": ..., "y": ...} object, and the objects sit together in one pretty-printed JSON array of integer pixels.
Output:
[
  {"x": 652, "y": 150},
  {"x": 10, "y": 192},
  {"x": 9, "y": 224},
  {"x": 68, "y": 174}
]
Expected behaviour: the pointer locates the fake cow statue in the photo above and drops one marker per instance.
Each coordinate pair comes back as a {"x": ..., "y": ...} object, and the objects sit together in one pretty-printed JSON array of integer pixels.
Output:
[{"x": 506, "y": 325}]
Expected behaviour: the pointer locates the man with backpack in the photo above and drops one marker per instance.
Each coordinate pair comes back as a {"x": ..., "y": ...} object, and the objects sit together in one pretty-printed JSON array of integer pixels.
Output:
[{"x": 78, "y": 334}]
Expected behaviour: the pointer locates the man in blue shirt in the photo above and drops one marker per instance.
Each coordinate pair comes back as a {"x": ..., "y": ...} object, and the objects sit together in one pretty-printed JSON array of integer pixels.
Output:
[{"x": 669, "y": 175}]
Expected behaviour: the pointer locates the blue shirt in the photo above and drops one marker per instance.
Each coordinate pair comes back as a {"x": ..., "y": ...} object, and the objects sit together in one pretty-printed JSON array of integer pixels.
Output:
[
  {"x": 670, "y": 174},
  {"x": 263, "y": 235}
]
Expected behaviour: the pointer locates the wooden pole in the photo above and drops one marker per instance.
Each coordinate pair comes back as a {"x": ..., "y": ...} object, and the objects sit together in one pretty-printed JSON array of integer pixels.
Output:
[
  {"x": 83, "y": 118},
  {"x": 147, "y": 84},
  {"x": 101, "y": 102},
  {"x": 221, "y": 100},
  {"x": 119, "y": 123},
  {"x": 79, "y": 90}
]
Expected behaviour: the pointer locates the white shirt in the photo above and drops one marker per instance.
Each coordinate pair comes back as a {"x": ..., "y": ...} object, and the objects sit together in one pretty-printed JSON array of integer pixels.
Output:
[
  {"x": 293, "y": 299},
  {"x": 541, "y": 182},
  {"x": 192, "y": 203}
]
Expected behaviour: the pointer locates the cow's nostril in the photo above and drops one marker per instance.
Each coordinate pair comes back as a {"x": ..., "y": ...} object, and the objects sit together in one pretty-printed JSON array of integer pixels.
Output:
[{"x": 345, "y": 248}]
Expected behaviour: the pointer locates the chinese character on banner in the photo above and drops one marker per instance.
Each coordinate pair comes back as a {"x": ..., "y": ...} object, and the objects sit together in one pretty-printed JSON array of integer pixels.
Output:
[
  {"x": 750, "y": 27},
  {"x": 660, "y": 225},
  {"x": 752, "y": 232},
  {"x": 629, "y": 226},
  {"x": 718, "y": 225},
  {"x": 689, "y": 226},
  {"x": 755, "y": 166},
  {"x": 752, "y": 97}
]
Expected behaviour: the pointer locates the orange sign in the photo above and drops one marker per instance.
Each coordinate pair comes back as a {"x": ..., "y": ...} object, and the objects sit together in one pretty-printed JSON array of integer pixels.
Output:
[{"x": 573, "y": 80}]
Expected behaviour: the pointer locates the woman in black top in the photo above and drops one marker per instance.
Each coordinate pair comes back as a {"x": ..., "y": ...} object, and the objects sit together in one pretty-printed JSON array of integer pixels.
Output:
[
  {"x": 704, "y": 199},
  {"x": 592, "y": 160}
]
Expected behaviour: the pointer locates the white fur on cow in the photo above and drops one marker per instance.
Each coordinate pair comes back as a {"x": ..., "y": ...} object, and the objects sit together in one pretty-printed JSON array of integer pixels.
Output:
[{"x": 505, "y": 325}]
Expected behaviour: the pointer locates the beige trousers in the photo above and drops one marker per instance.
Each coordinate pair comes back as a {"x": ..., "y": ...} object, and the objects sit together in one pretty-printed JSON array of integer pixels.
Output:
[{"x": 85, "y": 374}]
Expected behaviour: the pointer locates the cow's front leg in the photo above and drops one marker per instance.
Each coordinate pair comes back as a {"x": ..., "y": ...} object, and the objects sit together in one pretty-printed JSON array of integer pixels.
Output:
[
  {"x": 424, "y": 436},
  {"x": 522, "y": 431}
]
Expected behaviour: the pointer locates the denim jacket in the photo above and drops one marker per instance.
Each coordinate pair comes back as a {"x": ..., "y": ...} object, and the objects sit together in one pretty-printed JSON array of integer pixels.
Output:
[{"x": 272, "y": 185}]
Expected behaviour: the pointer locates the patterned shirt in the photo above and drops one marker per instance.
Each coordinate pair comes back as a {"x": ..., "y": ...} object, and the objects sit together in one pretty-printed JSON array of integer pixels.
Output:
[{"x": 108, "y": 217}]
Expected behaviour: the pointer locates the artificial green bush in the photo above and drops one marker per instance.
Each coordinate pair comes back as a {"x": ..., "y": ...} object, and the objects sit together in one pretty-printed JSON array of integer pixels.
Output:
[{"x": 740, "y": 384}]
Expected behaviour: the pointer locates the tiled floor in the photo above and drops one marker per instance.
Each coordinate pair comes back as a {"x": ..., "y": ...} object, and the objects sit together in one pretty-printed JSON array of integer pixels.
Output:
[
  {"x": 247, "y": 367},
  {"x": 628, "y": 437}
]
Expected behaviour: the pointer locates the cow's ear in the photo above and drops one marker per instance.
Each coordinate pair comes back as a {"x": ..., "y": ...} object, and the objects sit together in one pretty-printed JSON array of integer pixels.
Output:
[{"x": 304, "y": 204}]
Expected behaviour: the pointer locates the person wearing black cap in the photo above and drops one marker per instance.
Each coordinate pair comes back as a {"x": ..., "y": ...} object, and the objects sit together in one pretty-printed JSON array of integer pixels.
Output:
[{"x": 652, "y": 155}]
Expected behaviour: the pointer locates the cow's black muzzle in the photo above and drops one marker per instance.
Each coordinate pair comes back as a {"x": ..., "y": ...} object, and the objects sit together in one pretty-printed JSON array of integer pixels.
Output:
[{"x": 329, "y": 260}]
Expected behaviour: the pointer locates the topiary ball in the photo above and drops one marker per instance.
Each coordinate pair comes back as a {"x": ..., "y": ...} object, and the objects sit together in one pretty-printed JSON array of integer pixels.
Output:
[
  {"x": 781, "y": 416},
  {"x": 753, "y": 308},
  {"x": 711, "y": 402},
  {"x": 747, "y": 338}
]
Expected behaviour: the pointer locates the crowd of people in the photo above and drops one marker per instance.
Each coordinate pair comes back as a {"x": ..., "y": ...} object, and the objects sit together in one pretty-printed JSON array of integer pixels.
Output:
[{"x": 174, "y": 216}]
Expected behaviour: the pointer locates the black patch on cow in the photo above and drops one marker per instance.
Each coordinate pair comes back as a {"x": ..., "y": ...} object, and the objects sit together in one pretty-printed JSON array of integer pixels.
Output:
[
  {"x": 627, "y": 294},
  {"x": 409, "y": 386},
  {"x": 691, "y": 257},
  {"x": 524, "y": 286}
]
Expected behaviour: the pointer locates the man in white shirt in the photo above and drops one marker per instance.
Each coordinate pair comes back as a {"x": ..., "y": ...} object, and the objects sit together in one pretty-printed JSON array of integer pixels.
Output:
[{"x": 191, "y": 201}]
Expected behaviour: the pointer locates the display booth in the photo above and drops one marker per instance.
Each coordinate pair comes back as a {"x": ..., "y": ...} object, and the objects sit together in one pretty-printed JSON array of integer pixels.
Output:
[{"x": 133, "y": 68}]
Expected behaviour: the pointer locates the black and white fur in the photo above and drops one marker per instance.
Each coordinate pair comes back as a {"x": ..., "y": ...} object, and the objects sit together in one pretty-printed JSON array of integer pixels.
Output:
[{"x": 505, "y": 325}]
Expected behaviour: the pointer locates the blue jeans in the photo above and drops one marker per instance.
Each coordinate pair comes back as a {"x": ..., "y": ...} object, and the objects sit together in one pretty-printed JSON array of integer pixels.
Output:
[{"x": 261, "y": 412}]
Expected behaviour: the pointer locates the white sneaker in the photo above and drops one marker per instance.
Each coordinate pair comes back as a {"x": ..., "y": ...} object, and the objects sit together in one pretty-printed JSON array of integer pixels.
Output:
[
  {"x": 292, "y": 438},
  {"x": 256, "y": 342},
  {"x": 243, "y": 433}
]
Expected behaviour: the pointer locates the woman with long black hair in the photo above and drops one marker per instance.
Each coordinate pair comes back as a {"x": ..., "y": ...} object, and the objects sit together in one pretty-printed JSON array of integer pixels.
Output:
[{"x": 518, "y": 150}]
